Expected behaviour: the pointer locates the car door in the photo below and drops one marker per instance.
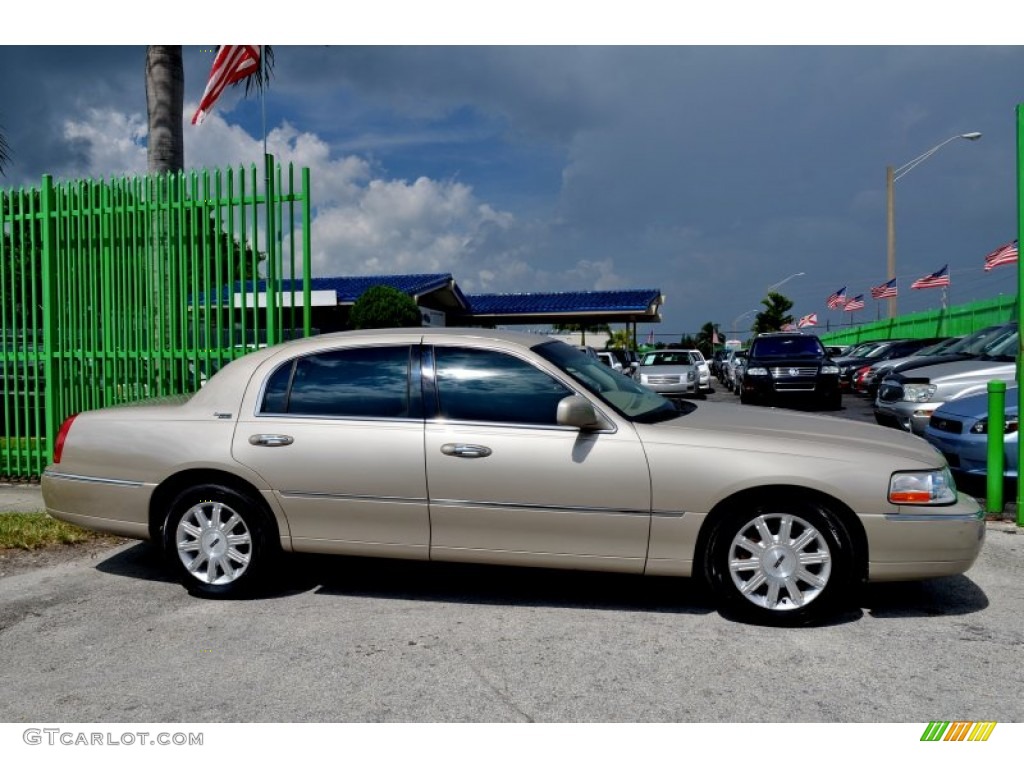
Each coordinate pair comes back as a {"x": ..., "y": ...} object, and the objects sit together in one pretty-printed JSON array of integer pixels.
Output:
[
  {"x": 338, "y": 436},
  {"x": 508, "y": 484}
]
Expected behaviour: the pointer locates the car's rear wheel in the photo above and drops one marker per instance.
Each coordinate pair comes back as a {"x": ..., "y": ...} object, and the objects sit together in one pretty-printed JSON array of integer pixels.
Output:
[
  {"x": 217, "y": 540},
  {"x": 781, "y": 562}
]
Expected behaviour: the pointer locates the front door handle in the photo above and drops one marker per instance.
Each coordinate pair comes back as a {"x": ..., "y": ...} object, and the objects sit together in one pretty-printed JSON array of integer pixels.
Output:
[
  {"x": 465, "y": 451},
  {"x": 271, "y": 441}
]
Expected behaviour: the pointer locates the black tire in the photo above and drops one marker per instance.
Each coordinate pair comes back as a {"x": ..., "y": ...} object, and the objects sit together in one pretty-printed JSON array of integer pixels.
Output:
[
  {"x": 772, "y": 588},
  {"x": 746, "y": 399},
  {"x": 225, "y": 547},
  {"x": 834, "y": 402}
]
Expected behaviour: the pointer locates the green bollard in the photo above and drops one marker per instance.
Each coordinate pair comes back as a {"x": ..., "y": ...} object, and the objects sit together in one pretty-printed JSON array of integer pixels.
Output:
[{"x": 996, "y": 455}]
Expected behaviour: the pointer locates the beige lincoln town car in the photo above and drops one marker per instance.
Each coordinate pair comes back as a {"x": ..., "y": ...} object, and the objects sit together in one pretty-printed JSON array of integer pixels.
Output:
[{"x": 499, "y": 447}]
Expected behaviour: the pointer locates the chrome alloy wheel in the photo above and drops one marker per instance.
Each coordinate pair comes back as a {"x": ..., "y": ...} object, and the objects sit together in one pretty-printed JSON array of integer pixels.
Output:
[
  {"x": 779, "y": 562},
  {"x": 213, "y": 543}
]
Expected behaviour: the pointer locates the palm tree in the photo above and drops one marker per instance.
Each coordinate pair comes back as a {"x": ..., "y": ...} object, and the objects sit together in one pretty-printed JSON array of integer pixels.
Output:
[
  {"x": 775, "y": 315},
  {"x": 165, "y": 98},
  {"x": 706, "y": 339},
  {"x": 5, "y": 152},
  {"x": 620, "y": 340}
]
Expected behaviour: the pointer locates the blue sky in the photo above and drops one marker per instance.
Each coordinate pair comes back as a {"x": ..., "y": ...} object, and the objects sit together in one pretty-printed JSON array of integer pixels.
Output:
[{"x": 708, "y": 166}]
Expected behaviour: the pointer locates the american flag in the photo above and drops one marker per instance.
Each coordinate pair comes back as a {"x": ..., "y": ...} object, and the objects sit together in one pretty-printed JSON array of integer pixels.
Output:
[
  {"x": 885, "y": 290},
  {"x": 837, "y": 299},
  {"x": 857, "y": 302},
  {"x": 934, "y": 280},
  {"x": 807, "y": 320},
  {"x": 232, "y": 63},
  {"x": 1005, "y": 254}
]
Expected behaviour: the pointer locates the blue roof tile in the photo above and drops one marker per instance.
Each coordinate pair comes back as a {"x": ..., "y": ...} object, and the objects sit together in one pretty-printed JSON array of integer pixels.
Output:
[{"x": 638, "y": 300}]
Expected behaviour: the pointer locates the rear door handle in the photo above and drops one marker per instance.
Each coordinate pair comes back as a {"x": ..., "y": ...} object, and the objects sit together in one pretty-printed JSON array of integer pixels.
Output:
[
  {"x": 271, "y": 441},
  {"x": 465, "y": 451}
]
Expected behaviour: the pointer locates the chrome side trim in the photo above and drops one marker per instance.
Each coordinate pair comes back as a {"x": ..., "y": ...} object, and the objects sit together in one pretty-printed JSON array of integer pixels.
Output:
[
  {"x": 351, "y": 497},
  {"x": 668, "y": 513},
  {"x": 87, "y": 479},
  {"x": 546, "y": 507}
]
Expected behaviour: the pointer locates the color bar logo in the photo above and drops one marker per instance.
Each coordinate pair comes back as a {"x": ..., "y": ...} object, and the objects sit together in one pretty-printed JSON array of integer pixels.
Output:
[{"x": 958, "y": 731}]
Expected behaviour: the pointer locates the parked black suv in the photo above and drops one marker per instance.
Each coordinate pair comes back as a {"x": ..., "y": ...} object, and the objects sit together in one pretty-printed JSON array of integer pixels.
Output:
[{"x": 791, "y": 366}]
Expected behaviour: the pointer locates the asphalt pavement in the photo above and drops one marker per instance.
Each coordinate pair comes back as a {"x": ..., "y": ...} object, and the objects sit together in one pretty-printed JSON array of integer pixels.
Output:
[{"x": 20, "y": 498}]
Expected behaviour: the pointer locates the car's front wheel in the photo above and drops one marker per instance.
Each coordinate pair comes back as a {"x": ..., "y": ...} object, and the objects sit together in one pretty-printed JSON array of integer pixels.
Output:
[
  {"x": 782, "y": 562},
  {"x": 217, "y": 540}
]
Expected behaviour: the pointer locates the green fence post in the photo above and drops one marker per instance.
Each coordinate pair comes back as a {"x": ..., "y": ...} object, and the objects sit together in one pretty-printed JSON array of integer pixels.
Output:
[
  {"x": 1020, "y": 286},
  {"x": 994, "y": 465},
  {"x": 307, "y": 250},
  {"x": 51, "y": 414}
]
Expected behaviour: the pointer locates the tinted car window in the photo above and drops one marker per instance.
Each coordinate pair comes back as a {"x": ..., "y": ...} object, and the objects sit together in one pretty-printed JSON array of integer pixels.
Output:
[
  {"x": 784, "y": 346},
  {"x": 482, "y": 385},
  {"x": 363, "y": 382}
]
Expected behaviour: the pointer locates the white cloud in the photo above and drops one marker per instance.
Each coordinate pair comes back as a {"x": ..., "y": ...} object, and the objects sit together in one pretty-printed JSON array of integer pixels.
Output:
[{"x": 115, "y": 142}]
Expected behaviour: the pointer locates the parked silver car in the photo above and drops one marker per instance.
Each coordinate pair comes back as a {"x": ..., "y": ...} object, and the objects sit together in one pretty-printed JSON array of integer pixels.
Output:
[
  {"x": 908, "y": 400},
  {"x": 669, "y": 372},
  {"x": 477, "y": 446}
]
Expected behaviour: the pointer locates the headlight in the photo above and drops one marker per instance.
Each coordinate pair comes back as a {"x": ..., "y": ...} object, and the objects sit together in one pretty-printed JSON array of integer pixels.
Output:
[
  {"x": 757, "y": 371},
  {"x": 830, "y": 369},
  {"x": 918, "y": 393},
  {"x": 689, "y": 376},
  {"x": 928, "y": 486},
  {"x": 981, "y": 426}
]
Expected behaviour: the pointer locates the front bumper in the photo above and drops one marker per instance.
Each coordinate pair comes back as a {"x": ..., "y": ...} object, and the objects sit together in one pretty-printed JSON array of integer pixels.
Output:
[
  {"x": 796, "y": 387},
  {"x": 911, "y": 417},
  {"x": 909, "y": 545},
  {"x": 968, "y": 453}
]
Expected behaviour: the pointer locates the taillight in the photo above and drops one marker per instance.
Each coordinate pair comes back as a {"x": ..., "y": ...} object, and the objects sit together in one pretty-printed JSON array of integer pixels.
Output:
[{"x": 62, "y": 435}]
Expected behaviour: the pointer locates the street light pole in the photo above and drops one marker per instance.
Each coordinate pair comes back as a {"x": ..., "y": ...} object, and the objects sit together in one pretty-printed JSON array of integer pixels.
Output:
[
  {"x": 779, "y": 284},
  {"x": 892, "y": 175},
  {"x": 740, "y": 317}
]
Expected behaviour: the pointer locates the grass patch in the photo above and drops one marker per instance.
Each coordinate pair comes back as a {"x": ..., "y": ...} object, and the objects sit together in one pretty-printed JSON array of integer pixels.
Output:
[{"x": 37, "y": 530}]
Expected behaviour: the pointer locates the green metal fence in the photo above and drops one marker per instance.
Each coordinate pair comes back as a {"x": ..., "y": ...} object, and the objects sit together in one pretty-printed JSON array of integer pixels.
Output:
[
  {"x": 953, "y": 321},
  {"x": 117, "y": 291}
]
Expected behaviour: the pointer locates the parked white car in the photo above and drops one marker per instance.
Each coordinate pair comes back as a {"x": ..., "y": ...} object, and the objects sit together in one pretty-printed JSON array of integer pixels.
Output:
[
  {"x": 610, "y": 360},
  {"x": 703, "y": 369}
]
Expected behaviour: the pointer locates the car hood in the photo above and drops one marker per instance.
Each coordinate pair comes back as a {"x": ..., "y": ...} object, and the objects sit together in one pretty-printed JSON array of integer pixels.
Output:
[
  {"x": 789, "y": 433},
  {"x": 966, "y": 371},
  {"x": 921, "y": 361},
  {"x": 976, "y": 406}
]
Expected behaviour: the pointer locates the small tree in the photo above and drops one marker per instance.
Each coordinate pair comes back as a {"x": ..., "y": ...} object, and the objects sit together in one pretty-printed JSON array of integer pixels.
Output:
[
  {"x": 706, "y": 339},
  {"x": 775, "y": 315},
  {"x": 384, "y": 307},
  {"x": 620, "y": 340}
]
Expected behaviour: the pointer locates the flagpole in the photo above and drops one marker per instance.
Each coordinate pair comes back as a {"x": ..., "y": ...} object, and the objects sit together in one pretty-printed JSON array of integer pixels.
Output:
[{"x": 263, "y": 94}]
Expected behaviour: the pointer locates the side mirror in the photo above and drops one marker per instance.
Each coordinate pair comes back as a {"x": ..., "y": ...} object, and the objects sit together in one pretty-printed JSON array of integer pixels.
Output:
[{"x": 577, "y": 411}]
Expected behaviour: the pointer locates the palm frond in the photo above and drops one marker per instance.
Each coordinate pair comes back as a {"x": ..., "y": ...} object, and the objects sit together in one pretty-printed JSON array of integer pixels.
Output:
[
  {"x": 5, "y": 152},
  {"x": 259, "y": 80}
]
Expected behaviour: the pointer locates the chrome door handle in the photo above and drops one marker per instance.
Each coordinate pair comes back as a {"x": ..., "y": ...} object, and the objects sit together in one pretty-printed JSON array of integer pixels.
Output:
[
  {"x": 271, "y": 441},
  {"x": 465, "y": 451}
]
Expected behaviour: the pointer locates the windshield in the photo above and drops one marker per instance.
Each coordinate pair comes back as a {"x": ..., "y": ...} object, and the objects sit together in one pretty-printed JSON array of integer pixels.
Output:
[
  {"x": 1003, "y": 349},
  {"x": 941, "y": 348},
  {"x": 622, "y": 393},
  {"x": 787, "y": 346},
  {"x": 666, "y": 358},
  {"x": 975, "y": 343}
]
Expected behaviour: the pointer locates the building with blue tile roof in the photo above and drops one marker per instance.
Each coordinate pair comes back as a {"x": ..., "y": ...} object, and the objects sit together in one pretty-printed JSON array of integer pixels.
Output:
[{"x": 444, "y": 303}]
